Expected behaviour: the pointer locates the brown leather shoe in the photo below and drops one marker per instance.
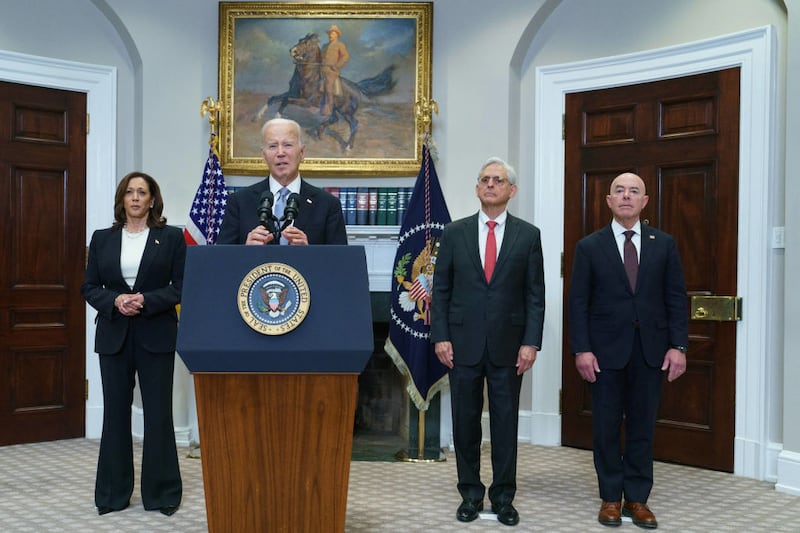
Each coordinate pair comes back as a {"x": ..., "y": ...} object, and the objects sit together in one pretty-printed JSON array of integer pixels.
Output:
[
  {"x": 640, "y": 514},
  {"x": 609, "y": 514}
]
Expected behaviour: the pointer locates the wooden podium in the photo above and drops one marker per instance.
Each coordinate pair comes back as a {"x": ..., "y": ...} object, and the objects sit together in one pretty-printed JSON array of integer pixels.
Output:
[{"x": 276, "y": 412}]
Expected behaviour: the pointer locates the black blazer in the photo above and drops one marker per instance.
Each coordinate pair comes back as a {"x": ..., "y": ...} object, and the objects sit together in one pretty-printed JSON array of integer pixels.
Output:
[
  {"x": 160, "y": 280},
  {"x": 604, "y": 311},
  {"x": 320, "y": 215},
  {"x": 503, "y": 314}
]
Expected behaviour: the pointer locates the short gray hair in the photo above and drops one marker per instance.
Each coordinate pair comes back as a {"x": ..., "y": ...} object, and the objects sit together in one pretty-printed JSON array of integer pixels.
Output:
[
  {"x": 512, "y": 174},
  {"x": 280, "y": 120}
]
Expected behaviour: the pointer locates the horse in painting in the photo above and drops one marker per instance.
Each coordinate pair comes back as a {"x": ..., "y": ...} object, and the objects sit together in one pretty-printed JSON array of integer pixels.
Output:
[{"x": 306, "y": 89}]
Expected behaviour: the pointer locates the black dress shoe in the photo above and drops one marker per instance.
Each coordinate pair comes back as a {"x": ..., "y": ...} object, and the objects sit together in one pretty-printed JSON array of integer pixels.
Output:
[
  {"x": 168, "y": 511},
  {"x": 101, "y": 510},
  {"x": 506, "y": 514},
  {"x": 469, "y": 510}
]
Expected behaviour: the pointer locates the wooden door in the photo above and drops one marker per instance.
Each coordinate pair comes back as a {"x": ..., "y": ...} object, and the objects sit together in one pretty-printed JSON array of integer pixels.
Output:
[
  {"x": 42, "y": 257},
  {"x": 682, "y": 137}
]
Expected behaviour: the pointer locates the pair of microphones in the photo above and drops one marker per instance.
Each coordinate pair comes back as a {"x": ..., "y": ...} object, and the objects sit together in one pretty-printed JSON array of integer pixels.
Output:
[{"x": 272, "y": 223}]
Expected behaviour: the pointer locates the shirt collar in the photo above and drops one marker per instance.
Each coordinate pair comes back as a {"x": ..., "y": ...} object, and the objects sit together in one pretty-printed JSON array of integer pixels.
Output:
[
  {"x": 501, "y": 218},
  {"x": 294, "y": 185},
  {"x": 619, "y": 229}
]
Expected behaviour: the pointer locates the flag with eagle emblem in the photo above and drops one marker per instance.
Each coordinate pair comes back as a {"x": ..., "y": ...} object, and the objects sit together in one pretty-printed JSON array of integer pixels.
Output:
[{"x": 409, "y": 329}]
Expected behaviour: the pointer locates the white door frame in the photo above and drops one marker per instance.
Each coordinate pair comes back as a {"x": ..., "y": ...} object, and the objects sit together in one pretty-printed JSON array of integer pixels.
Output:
[
  {"x": 754, "y": 51},
  {"x": 100, "y": 85}
]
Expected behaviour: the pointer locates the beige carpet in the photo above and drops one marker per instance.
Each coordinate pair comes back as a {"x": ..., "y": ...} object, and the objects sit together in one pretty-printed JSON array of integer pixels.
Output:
[{"x": 49, "y": 487}]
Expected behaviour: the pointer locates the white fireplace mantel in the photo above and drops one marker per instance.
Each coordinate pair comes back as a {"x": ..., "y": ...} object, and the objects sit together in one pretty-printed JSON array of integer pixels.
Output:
[{"x": 380, "y": 246}]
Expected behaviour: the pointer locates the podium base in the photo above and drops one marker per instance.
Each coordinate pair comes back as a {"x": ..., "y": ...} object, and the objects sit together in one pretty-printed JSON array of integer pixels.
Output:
[{"x": 276, "y": 450}]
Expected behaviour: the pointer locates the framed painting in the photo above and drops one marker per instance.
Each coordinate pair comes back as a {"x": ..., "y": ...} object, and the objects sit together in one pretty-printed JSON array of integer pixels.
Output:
[{"x": 351, "y": 74}]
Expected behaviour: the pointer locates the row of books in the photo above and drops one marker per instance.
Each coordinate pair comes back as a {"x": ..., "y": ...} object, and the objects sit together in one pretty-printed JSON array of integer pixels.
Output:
[{"x": 373, "y": 206}]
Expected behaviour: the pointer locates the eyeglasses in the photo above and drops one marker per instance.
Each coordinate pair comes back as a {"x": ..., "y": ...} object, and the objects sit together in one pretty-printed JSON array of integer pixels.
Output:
[{"x": 497, "y": 180}]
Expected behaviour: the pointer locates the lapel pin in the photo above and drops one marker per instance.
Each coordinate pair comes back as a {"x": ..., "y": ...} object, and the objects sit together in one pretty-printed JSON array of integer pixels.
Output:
[
  {"x": 309, "y": 200},
  {"x": 157, "y": 241},
  {"x": 653, "y": 237}
]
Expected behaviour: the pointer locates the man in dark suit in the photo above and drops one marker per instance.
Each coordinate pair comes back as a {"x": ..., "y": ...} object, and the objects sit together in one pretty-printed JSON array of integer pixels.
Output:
[
  {"x": 319, "y": 218},
  {"x": 487, "y": 320},
  {"x": 628, "y": 324}
]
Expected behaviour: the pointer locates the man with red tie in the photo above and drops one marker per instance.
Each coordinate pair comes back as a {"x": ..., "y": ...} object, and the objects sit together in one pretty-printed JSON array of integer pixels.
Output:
[
  {"x": 487, "y": 321},
  {"x": 628, "y": 326}
]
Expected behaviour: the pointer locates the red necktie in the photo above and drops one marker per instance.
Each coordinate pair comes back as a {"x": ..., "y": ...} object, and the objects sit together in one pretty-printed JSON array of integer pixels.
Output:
[
  {"x": 630, "y": 260},
  {"x": 490, "y": 258}
]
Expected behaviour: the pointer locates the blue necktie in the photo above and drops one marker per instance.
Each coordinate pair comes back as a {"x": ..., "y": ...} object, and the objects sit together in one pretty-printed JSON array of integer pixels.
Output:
[{"x": 280, "y": 205}]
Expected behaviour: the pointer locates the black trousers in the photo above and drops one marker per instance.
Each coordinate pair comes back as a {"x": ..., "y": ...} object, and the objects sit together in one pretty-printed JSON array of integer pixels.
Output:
[
  {"x": 466, "y": 388},
  {"x": 633, "y": 392},
  {"x": 161, "y": 484}
]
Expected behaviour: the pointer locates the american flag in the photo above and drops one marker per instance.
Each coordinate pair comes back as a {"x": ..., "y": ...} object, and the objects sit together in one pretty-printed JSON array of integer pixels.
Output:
[{"x": 208, "y": 207}]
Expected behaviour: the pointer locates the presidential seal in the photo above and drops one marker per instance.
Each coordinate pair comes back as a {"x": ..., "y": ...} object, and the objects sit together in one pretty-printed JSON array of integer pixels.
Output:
[{"x": 273, "y": 298}]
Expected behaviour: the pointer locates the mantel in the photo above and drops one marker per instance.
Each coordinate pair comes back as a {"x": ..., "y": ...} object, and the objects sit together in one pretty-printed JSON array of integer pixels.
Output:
[{"x": 380, "y": 246}]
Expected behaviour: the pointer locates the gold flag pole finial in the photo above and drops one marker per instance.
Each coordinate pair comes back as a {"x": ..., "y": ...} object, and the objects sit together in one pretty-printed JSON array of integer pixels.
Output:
[
  {"x": 424, "y": 110},
  {"x": 212, "y": 109}
]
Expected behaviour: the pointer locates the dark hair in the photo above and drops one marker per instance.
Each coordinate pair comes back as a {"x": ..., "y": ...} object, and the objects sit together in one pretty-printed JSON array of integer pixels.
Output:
[{"x": 154, "y": 217}]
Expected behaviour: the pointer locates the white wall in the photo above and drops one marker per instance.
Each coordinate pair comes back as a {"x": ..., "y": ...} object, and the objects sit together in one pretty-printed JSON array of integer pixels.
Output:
[{"x": 484, "y": 57}]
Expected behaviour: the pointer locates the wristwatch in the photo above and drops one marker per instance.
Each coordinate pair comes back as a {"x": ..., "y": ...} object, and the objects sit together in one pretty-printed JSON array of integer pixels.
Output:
[{"x": 681, "y": 349}]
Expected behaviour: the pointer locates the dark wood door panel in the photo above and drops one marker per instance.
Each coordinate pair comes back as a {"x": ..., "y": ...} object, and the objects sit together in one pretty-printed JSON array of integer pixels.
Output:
[
  {"x": 681, "y": 136},
  {"x": 43, "y": 207}
]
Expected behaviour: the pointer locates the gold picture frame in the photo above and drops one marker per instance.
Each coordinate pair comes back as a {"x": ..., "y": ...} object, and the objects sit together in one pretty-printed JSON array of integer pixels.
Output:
[{"x": 270, "y": 56}]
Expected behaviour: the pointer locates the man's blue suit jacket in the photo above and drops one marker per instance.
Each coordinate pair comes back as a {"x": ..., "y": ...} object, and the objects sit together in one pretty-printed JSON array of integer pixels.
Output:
[
  {"x": 604, "y": 311},
  {"x": 320, "y": 215}
]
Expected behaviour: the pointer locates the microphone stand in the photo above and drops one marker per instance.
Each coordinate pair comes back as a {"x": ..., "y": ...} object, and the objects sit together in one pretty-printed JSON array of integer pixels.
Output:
[
  {"x": 275, "y": 229},
  {"x": 271, "y": 224}
]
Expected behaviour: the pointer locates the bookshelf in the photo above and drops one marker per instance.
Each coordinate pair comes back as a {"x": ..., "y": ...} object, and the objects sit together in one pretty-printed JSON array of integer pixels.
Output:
[
  {"x": 372, "y": 206},
  {"x": 373, "y": 216}
]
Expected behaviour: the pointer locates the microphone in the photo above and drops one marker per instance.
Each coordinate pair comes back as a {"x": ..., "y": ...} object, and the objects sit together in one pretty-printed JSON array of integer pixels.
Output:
[
  {"x": 292, "y": 208},
  {"x": 265, "y": 209}
]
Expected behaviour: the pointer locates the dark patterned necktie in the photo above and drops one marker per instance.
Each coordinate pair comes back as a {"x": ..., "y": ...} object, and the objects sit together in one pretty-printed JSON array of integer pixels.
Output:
[{"x": 630, "y": 259}]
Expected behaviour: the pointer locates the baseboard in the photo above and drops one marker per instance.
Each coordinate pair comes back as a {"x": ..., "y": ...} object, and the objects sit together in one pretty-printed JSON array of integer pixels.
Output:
[
  {"x": 771, "y": 470},
  {"x": 534, "y": 428},
  {"x": 788, "y": 473}
]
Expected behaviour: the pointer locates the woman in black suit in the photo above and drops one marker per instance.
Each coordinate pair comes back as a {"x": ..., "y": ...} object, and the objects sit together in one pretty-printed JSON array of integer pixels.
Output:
[{"x": 134, "y": 277}]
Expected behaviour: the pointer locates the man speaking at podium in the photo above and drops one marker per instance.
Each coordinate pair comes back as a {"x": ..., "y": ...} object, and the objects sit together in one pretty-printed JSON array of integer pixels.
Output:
[{"x": 282, "y": 208}]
